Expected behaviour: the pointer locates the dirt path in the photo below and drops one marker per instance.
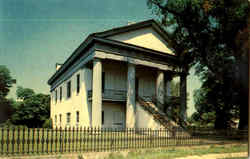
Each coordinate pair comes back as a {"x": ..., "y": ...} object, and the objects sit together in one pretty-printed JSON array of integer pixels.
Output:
[{"x": 216, "y": 156}]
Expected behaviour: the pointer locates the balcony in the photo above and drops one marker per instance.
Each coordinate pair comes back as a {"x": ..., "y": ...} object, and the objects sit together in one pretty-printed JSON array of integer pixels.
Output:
[{"x": 111, "y": 95}]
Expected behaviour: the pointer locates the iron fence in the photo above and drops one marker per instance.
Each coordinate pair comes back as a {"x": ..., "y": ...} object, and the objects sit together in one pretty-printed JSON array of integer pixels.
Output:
[{"x": 16, "y": 141}]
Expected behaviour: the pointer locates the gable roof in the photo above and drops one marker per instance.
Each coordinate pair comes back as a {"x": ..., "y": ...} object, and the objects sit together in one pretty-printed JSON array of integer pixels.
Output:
[
  {"x": 135, "y": 26},
  {"x": 103, "y": 35}
]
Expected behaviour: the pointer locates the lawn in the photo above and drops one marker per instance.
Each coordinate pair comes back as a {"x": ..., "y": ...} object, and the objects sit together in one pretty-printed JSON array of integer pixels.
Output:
[{"x": 171, "y": 153}]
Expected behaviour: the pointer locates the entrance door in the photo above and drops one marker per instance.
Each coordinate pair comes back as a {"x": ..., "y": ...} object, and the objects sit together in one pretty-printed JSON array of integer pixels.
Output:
[{"x": 118, "y": 119}]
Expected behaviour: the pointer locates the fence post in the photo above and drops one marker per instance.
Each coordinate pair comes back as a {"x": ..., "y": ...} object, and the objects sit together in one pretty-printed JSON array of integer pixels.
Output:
[
  {"x": 65, "y": 139},
  {"x": 56, "y": 140},
  {"x": 88, "y": 137},
  {"x": 23, "y": 141},
  {"x": 28, "y": 140},
  {"x": 51, "y": 140},
  {"x": 47, "y": 141},
  {"x": 69, "y": 139},
  {"x": 38, "y": 136},
  {"x": 43, "y": 140},
  {"x": 13, "y": 140},
  {"x": 60, "y": 140},
  {"x": 77, "y": 139},
  {"x": 73, "y": 136},
  {"x": 80, "y": 138}
]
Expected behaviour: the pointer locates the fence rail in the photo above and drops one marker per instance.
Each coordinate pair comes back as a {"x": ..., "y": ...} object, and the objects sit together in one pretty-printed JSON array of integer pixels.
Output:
[{"x": 16, "y": 141}]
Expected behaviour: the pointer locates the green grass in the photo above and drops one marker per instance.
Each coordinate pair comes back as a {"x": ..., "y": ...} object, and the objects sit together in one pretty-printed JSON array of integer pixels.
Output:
[{"x": 171, "y": 153}]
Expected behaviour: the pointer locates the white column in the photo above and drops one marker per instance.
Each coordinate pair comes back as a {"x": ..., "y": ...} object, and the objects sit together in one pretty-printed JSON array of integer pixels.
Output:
[
  {"x": 160, "y": 89},
  {"x": 168, "y": 88},
  {"x": 97, "y": 93},
  {"x": 183, "y": 95},
  {"x": 131, "y": 103}
]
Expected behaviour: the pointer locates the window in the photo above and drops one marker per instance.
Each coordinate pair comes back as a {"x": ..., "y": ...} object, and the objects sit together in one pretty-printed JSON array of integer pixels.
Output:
[
  {"x": 78, "y": 83},
  {"x": 60, "y": 94},
  {"x": 60, "y": 118},
  {"x": 55, "y": 119},
  {"x": 77, "y": 116},
  {"x": 102, "y": 117},
  {"x": 103, "y": 81},
  {"x": 68, "y": 118},
  {"x": 55, "y": 96},
  {"x": 69, "y": 89}
]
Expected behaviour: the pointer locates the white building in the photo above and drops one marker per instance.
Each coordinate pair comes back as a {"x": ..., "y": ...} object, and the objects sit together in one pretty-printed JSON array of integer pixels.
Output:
[{"x": 110, "y": 79}]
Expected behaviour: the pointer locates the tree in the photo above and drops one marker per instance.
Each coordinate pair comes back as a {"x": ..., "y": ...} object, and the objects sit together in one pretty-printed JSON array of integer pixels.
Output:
[
  {"x": 24, "y": 93},
  {"x": 6, "y": 82},
  {"x": 213, "y": 107},
  {"x": 203, "y": 33},
  {"x": 33, "y": 111}
]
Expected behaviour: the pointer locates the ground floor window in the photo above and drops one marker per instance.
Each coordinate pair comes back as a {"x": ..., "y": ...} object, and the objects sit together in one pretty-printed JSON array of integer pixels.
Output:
[
  {"x": 68, "y": 118},
  {"x": 77, "y": 117},
  {"x": 102, "y": 117}
]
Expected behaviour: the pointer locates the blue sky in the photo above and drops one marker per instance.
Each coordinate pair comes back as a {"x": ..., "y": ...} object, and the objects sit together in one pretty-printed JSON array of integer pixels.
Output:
[{"x": 35, "y": 34}]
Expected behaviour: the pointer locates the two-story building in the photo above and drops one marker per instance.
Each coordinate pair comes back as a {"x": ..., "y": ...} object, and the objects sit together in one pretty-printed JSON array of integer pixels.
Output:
[{"x": 101, "y": 83}]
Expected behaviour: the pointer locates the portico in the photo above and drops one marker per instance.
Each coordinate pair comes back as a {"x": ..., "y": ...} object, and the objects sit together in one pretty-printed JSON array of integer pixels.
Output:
[{"x": 160, "y": 84}]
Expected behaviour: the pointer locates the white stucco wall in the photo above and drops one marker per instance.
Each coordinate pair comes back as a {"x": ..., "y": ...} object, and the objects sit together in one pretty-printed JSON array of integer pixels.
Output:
[
  {"x": 145, "y": 119},
  {"x": 145, "y": 37},
  {"x": 77, "y": 102},
  {"x": 110, "y": 108}
]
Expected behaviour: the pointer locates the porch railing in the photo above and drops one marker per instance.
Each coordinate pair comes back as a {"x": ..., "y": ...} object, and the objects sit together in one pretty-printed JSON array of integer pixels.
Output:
[{"x": 111, "y": 95}]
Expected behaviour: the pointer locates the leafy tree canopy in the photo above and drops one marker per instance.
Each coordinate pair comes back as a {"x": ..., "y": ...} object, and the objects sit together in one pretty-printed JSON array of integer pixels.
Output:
[
  {"x": 204, "y": 33},
  {"x": 24, "y": 93},
  {"x": 32, "y": 111},
  {"x": 6, "y": 81}
]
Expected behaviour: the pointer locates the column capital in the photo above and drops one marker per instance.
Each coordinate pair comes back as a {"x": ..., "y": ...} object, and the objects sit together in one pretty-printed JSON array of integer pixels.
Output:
[{"x": 131, "y": 63}]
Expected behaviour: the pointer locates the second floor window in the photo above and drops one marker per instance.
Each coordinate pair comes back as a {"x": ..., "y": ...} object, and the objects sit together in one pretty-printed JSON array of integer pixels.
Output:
[
  {"x": 78, "y": 83},
  {"x": 69, "y": 89},
  {"x": 56, "y": 96},
  {"x": 68, "y": 118},
  {"x": 60, "y": 94}
]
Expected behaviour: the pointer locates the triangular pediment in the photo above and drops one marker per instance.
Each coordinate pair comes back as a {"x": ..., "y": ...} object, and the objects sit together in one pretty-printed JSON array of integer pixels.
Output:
[{"x": 146, "y": 34}]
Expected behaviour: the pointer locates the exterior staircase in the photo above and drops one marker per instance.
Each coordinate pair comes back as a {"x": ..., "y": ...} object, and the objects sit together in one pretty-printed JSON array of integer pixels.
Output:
[{"x": 158, "y": 115}]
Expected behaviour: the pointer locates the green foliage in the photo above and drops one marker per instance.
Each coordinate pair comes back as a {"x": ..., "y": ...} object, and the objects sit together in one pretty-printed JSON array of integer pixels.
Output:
[
  {"x": 204, "y": 33},
  {"x": 24, "y": 93},
  {"x": 215, "y": 106},
  {"x": 6, "y": 81},
  {"x": 47, "y": 123},
  {"x": 33, "y": 111}
]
